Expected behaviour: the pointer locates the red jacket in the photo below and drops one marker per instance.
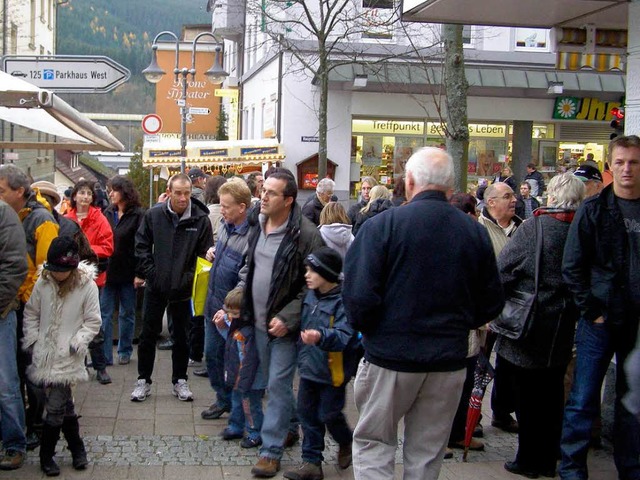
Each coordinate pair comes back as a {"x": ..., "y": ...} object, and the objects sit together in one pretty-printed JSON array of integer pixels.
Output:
[{"x": 98, "y": 231}]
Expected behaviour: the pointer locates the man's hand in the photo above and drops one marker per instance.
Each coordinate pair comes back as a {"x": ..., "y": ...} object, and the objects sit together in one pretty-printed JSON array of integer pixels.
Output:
[
  {"x": 218, "y": 319},
  {"x": 277, "y": 328},
  {"x": 310, "y": 337},
  {"x": 211, "y": 254},
  {"x": 600, "y": 319},
  {"x": 138, "y": 282}
]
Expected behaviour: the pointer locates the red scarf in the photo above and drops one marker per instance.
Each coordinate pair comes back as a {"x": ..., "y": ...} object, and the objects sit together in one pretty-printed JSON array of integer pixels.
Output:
[{"x": 557, "y": 213}]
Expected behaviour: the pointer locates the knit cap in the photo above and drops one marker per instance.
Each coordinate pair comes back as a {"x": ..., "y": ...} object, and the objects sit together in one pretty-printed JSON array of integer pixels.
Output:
[
  {"x": 63, "y": 255},
  {"x": 326, "y": 262}
]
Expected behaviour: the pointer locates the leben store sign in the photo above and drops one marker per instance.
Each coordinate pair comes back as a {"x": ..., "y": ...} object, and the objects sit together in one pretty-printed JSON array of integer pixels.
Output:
[{"x": 576, "y": 108}]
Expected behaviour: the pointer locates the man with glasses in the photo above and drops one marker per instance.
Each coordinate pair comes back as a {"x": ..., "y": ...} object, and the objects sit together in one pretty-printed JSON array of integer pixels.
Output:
[
  {"x": 272, "y": 302},
  {"x": 500, "y": 219}
]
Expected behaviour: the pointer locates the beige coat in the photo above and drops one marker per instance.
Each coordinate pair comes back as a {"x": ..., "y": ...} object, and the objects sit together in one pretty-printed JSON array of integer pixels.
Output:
[{"x": 54, "y": 325}]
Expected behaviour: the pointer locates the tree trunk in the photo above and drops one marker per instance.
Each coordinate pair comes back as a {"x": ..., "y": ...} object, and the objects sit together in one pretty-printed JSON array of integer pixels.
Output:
[
  {"x": 323, "y": 74},
  {"x": 456, "y": 86}
]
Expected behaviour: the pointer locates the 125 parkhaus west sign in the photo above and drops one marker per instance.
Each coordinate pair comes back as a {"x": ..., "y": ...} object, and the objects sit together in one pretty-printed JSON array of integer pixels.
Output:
[{"x": 67, "y": 73}]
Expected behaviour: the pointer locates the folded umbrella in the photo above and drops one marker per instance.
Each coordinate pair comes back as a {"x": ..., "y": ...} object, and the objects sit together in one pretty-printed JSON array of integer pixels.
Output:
[{"x": 482, "y": 376}]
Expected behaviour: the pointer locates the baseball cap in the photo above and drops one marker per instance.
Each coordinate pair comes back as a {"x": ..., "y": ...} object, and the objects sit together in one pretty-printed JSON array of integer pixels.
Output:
[
  {"x": 196, "y": 173},
  {"x": 63, "y": 255},
  {"x": 587, "y": 172}
]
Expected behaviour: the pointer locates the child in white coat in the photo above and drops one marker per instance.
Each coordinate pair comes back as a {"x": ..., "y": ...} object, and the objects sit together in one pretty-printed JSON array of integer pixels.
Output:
[{"x": 60, "y": 319}]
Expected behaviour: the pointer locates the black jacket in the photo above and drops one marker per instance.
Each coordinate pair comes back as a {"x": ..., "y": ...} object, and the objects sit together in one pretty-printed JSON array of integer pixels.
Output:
[
  {"x": 416, "y": 280},
  {"x": 354, "y": 209},
  {"x": 167, "y": 254},
  {"x": 537, "y": 176},
  {"x": 596, "y": 263},
  {"x": 312, "y": 209},
  {"x": 122, "y": 264},
  {"x": 288, "y": 285}
]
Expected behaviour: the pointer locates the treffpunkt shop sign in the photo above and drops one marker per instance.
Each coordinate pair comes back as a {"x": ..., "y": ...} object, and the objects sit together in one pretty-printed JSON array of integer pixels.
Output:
[{"x": 388, "y": 127}]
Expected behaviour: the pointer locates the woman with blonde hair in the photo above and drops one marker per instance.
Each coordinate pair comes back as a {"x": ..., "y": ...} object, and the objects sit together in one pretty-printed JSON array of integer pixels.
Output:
[
  {"x": 335, "y": 228},
  {"x": 379, "y": 201}
]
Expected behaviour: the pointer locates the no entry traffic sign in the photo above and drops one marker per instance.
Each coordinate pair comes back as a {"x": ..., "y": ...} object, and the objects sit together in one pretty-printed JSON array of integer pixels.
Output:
[{"x": 151, "y": 124}]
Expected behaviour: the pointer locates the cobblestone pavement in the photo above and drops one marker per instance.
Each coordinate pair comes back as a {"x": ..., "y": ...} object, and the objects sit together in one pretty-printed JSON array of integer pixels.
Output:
[{"x": 163, "y": 438}]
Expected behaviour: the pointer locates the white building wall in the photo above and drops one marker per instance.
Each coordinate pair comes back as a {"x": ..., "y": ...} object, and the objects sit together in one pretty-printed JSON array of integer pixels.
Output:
[{"x": 258, "y": 90}]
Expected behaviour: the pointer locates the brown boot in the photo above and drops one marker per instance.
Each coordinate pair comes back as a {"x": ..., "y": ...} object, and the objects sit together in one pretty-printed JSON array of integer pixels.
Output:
[
  {"x": 344, "y": 456},
  {"x": 306, "y": 471},
  {"x": 266, "y": 467}
]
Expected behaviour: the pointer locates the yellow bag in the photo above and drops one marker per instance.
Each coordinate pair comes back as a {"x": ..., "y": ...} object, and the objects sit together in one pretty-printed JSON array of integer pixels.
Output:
[
  {"x": 336, "y": 363},
  {"x": 200, "y": 283}
]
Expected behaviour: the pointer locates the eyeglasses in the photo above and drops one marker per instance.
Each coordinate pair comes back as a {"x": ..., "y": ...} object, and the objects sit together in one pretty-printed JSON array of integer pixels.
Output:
[
  {"x": 270, "y": 193},
  {"x": 506, "y": 196}
]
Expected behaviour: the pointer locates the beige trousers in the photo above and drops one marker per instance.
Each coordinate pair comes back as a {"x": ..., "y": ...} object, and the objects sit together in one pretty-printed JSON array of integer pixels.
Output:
[{"x": 426, "y": 401}]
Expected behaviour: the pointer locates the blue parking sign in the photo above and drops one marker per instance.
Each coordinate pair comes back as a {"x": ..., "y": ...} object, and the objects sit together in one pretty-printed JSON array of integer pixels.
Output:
[{"x": 47, "y": 74}]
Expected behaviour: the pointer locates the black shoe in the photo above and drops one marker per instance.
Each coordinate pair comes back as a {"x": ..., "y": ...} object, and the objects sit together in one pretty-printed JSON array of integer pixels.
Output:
[
  {"x": 103, "y": 377},
  {"x": 49, "y": 467},
  {"x": 166, "y": 345},
  {"x": 213, "y": 412},
  {"x": 33, "y": 441},
  {"x": 228, "y": 434},
  {"x": 507, "y": 424},
  {"x": 200, "y": 372},
  {"x": 248, "y": 442},
  {"x": 515, "y": 468}
]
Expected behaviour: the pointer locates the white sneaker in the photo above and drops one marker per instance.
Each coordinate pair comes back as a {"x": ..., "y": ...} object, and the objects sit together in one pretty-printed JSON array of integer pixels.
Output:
[
  {"x": 182, "y": 391},
  {"x": 141, "y": 392}
]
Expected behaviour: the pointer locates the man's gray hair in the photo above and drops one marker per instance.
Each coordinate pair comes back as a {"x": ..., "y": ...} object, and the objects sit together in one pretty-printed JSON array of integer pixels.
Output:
[
  {"x": 427, "y": 171},
  {"x": 566, "y": 191},
  {"x": 325, "y": 185},
  {"x": 16, "y": 178}
]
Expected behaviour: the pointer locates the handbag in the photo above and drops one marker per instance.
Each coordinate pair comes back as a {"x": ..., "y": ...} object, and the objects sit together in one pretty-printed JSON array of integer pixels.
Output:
[
  {"x": 519, "y": 310},
  {"x": 200, "y": 285}
]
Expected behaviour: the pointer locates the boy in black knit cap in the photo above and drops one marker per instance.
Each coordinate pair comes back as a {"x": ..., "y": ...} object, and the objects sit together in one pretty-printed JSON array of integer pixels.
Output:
[{"x": 326, "y": 362}]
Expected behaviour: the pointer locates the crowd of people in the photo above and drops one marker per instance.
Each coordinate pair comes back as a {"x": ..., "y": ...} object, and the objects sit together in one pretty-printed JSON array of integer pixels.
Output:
[{"x": 398, "y": 293}]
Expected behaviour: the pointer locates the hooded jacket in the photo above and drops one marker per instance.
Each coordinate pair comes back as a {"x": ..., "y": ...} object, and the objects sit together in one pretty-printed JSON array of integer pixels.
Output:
[
  {"x": 241, "y": 361},
  {"x": 53, "y": 324},
  {"x": 167, "y": 251},
  {"x": 326, "y": 314},
  {"x": 40, "y": 228},
  {"x": 337, "y": 236},
  {"x": 288, "y": 286},
  {"x": 379, "y": 205}
]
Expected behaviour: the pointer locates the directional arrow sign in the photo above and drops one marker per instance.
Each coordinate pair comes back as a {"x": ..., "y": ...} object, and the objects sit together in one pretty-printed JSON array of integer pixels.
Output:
[
  {"x": 199, "y": 111},
  {"x": 68, "y": 73}
]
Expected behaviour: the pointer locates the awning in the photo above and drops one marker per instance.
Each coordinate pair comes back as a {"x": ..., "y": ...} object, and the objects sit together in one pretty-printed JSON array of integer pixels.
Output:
[
  {"x": 201, "y": 153},
  {"x": 24, "y": 104}
]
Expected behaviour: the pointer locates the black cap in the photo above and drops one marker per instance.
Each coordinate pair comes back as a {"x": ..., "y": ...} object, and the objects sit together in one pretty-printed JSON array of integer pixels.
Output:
[
  {"x": 62, "y": 255},
  {"x": 196, "y": 173},
  {"x": 326, "y": 262},
  {"x": 587, "y": 172}
]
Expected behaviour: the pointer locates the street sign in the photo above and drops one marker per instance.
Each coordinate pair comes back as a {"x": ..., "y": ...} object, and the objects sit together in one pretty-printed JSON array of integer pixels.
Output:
[
  {"x": 151, "y": 124},
  {"x": 199, "y": 111},
  {"x": 309, "y": 139},
  {"x": 67, "y": 73},
  {"x": 226, "y": 92}
]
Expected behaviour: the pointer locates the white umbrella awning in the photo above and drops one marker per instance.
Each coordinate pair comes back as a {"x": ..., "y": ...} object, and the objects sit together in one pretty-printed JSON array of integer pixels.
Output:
[{"x": 24, "y": 104}]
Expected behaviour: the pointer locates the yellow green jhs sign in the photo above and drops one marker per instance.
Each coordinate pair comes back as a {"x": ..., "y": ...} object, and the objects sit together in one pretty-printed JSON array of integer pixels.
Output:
[{"x": 575, "y": 108}]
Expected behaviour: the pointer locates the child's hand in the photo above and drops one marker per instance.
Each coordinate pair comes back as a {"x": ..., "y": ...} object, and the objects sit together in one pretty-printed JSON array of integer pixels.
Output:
[
  {"x": 218, "y": 319},
  {"x": 310, "y": 337}
]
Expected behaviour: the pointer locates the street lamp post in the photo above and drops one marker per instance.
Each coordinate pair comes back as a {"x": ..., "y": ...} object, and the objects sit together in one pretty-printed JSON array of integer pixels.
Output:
[{"x": 216, "y": 74}]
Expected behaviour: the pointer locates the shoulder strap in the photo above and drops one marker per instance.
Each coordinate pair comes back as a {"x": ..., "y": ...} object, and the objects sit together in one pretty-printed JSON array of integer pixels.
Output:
[{"x": 538, "y": 225}]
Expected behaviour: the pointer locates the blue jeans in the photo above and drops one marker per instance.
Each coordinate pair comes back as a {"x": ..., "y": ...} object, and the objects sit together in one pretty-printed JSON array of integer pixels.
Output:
[
  {"x": 11, "y": 405},
  {"x": 278, "y": 358},
  {"x": 246, "y": 413},
  {"x": 124, "y": 295},
  {"x": 320, "y": 405},
  {"x": 214, "y": 361},
  {"x": 595, "y": 348}
]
